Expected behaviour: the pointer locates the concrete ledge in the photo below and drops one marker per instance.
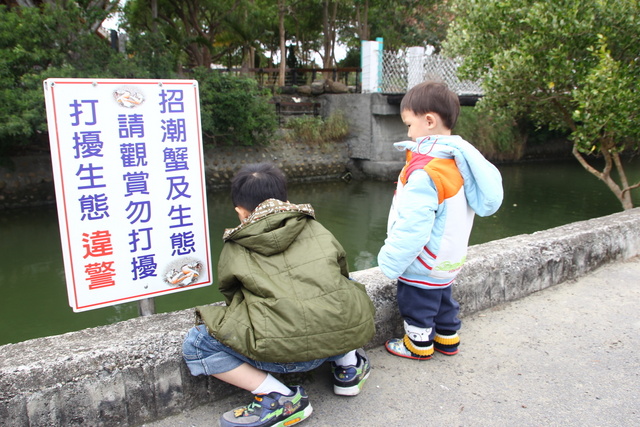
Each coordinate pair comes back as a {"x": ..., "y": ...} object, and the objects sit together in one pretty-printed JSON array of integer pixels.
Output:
[
  {"x": 132, "y": 372},
  {"x": 380, "y": 170},
  {"x": 505, "y": 270}
]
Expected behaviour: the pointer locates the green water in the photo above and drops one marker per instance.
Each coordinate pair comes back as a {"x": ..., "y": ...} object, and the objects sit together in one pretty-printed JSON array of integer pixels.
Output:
[{"x": 34, "y": 300}]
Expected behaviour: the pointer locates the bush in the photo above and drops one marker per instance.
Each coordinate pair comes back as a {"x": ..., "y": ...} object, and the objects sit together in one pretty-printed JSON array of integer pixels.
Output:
[
  {"x": 313, "y": 130},
  {"x": 234, "y": 110},
  {"x": 497, "y": 140}
]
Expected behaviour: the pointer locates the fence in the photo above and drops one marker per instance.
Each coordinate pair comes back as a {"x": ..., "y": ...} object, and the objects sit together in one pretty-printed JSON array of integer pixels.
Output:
[
  {"x": 286, "y": 110},
  {"x": 350, "y": 76},
  {"x": 392, "y": 72},
  {"x": 396, "y": 72}
]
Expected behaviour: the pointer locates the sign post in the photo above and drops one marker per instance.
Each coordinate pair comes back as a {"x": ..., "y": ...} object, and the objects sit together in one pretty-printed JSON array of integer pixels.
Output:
[{"x": 130, "y": 189}]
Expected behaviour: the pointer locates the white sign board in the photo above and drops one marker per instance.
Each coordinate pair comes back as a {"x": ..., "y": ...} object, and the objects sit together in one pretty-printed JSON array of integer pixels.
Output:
[{"x": 130, "y": 188}]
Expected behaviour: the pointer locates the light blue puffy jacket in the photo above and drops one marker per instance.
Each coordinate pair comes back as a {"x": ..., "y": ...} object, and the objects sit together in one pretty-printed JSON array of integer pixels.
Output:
[{"x": 445, "y": 182}]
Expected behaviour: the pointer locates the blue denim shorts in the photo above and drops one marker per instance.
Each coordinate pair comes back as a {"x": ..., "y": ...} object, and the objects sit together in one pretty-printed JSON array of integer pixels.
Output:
[{"x": 207, "y": 356}]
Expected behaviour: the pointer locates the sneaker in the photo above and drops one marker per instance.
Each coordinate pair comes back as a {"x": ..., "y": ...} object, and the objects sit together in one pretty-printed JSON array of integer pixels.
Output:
[
  {"x": 348, "y": 380},
  {"x": 273, "y": 409},
  {"x": 404, "y": 347},
  {"x": 446, "y": 342}
]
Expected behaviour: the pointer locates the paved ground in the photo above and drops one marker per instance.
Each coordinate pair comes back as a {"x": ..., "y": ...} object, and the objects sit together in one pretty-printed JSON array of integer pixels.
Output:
[{"x": 566, "y": 356}]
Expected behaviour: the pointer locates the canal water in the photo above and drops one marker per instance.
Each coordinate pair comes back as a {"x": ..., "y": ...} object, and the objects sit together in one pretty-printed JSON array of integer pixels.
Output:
[{"x": 33, "y": 301}]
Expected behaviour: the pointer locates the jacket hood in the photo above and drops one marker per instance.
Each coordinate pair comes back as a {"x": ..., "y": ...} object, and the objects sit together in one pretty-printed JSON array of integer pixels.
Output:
[
  {"x": 482, "y": 180},
  {"x": 271, "y": 227}
]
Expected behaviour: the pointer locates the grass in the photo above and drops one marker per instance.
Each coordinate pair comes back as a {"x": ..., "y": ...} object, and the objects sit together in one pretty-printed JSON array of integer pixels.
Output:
[{"x": 314, "y": 130}]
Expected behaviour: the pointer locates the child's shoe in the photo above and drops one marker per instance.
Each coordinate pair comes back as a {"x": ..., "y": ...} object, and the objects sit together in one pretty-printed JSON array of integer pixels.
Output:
[
  {"x": 273, "y": 409},
  {"x": 348, "y": 380},
  {"x": 404, "y": 347},
  {"x": 446, "y": 342}
]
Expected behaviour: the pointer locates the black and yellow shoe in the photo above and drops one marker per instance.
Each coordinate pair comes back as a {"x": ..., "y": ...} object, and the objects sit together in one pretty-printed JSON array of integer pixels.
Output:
[{"x": 446, "y": 342}]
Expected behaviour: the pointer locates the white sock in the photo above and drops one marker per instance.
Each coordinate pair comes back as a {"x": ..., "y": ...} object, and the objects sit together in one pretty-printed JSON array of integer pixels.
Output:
[
  {"x": 348, "y": 359},
  {"x": 271, "y": 384}
]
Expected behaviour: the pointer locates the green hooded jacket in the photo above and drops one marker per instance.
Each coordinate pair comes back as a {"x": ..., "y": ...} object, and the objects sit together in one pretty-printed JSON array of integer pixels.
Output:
[{"x": 287, "y": 289}]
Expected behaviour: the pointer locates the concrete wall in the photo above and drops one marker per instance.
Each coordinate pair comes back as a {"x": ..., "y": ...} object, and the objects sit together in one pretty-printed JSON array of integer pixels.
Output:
[
  {"x": 132, "y": 372},
  {"x": 374, "y": 125},
  {"x": 28, "y": 180}
]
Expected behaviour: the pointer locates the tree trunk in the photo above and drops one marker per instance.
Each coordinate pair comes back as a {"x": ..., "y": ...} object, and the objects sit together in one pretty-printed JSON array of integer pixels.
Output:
[
  {"x": 611, "y": 159},
  {"x": 362, "y": 20},
  {"x": 329, "y": 11},
  {"x": 154, "y": 16},
  {"x": 283, "y": 48}
]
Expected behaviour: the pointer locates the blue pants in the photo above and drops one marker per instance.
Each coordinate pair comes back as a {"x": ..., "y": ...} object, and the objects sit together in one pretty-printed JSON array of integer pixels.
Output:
[
  {"x": 205, "y": 355},
  {"x": 428, "y": 308}
]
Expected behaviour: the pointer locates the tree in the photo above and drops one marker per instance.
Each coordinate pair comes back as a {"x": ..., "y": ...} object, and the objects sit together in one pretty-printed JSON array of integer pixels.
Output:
[
  {"x": 37, "y": 42},
  {"x": 95, "y": 10},
  {"x": 193, "y": 25},
  {"x": 568, "y": 65},
  {"x": 304, "y": 30},
  {"x": 401, "y": 23}
]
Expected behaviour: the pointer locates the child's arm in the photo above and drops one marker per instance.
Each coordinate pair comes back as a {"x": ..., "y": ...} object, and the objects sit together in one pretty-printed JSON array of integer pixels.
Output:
[
  {"x": 228, "y": 270},
  {"x": 341, "y": 255},
  {"x": 411, "y": 231}
]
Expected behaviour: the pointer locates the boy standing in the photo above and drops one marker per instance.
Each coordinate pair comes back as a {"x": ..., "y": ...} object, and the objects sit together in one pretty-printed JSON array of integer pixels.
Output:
[
  {"x": 444, "y": 181},
  {"x": 290, "y": 306}
]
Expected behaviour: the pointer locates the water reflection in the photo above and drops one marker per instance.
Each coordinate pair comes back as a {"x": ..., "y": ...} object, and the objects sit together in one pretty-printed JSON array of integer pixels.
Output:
[{"x": 34, "y": 299}]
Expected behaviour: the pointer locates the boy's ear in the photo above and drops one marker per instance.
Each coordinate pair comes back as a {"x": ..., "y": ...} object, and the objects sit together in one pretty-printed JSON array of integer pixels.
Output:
[
  {"x": 242, "y": 213},
  {"x": 431, "y": 119}
]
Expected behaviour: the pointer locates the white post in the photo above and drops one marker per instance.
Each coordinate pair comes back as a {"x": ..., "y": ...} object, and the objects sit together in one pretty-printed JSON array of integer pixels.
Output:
[
  {"x": 415, "y": 66},
  {"x": 371, "y": 64}
]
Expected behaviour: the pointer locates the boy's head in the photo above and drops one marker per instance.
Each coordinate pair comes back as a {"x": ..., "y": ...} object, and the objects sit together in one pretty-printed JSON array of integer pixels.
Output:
[
  {"x": 430, "y": 108},
  {"x": 255, "y": 183}
]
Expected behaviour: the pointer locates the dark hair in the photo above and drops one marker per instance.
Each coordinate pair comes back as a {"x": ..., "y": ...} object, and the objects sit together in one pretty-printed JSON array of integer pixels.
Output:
[
  {"x": 433, "y": 97},
  {"x": 255, "y": 183}
]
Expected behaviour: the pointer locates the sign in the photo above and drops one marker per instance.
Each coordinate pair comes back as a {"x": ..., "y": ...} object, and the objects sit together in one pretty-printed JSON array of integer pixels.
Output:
[{"x": 130, "y": 188}]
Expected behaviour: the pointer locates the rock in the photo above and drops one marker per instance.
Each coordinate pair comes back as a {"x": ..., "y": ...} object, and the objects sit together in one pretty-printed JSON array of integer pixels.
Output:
[
  {"x": 317, "y": 87},
  {"x": 336, "y": 87},
  {"x": 304, "y": 90}
]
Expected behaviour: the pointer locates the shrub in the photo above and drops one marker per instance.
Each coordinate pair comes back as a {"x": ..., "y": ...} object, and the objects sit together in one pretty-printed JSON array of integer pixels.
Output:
[
  {"x": 313, "y": 130},
  {"x": 234, "y": 110},
  {"x": 496, "y": 139}
]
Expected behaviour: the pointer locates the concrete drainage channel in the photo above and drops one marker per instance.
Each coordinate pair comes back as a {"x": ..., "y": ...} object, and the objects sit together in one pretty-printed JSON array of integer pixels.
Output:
[{"x": 132, "y": 372}]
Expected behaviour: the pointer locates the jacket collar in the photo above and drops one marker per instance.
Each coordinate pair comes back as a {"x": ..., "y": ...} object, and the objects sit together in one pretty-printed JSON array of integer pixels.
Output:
[{"x": 266, "y": 208}]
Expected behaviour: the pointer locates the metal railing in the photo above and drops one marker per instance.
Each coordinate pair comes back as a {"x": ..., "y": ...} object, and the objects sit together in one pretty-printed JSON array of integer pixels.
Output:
[
  {"x": 350, "y": 76},
  {"x": 400, "y": 71}
]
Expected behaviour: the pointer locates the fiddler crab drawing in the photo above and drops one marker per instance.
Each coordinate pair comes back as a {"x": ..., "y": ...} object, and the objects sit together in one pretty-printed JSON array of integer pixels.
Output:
[
  {"x": 187, "y": 275},
  {"x": 128, "y": 98}
]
